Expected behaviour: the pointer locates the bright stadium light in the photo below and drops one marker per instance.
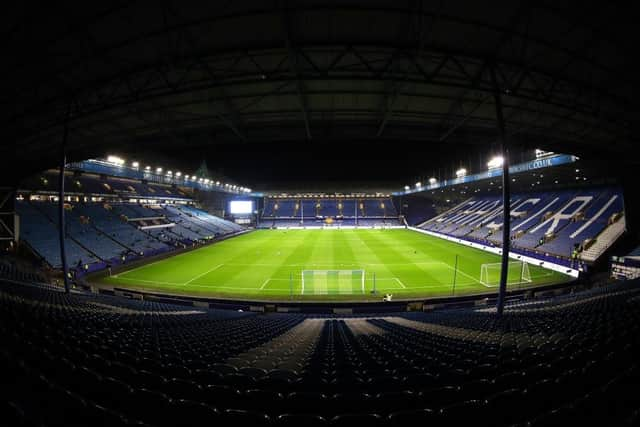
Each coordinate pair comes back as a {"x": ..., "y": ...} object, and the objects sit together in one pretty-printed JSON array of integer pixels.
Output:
[
  {"x": 432, "y": 180},
  {"x": 147, "y": 168},
  {"x": 406, "y": 188},
  {"x": 115, "y": 160},
  {"x": 461, "y": 172},
  {"x": 218, "y": 183},
  {"x": 158, "y": 170},
  {"x": 135, "y": 165},
  {"x": 496, "y": 162},
  {"x": 169, "y": 173},
  {"x": 186, "y": 177},
  {"x": 418, "y": 184},
  {"x": 178, "y": 174}
]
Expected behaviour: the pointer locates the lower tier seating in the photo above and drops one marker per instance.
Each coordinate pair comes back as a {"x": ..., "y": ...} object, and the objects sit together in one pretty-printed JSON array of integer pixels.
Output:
[{"x": 83, "y": 359}]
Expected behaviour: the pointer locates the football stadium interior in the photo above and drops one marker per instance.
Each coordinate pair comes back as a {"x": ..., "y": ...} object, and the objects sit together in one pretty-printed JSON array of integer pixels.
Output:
[{"x": 327, "y": 213}]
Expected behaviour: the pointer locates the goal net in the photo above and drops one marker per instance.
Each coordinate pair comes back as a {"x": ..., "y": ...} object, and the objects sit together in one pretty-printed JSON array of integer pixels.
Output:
[
  {"x": 332, "y": 282},
  {"x": 518, "y": 273}
]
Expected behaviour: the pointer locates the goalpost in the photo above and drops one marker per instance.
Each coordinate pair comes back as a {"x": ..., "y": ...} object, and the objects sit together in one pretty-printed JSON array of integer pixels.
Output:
[
  {"x": 325, "y": 282},
  {"x": 518, "y": 273}
]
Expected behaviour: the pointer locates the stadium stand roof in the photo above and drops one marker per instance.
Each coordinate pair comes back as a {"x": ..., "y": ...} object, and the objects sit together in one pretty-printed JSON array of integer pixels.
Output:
[{"x": 181, "y": 76}]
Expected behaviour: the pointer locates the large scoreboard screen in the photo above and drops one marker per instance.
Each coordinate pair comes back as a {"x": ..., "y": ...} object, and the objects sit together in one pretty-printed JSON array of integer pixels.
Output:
[{"x": 240, "y": 207}]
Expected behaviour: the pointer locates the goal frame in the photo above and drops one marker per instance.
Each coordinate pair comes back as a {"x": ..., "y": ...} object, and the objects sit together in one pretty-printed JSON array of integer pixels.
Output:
[
  {"x": 522, "y": 266},
  {"x": 362, "y": 277}
]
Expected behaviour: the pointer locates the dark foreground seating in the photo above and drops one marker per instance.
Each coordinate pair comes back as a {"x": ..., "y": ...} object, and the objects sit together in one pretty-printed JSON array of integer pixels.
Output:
[{"x": 79, "y": 360}]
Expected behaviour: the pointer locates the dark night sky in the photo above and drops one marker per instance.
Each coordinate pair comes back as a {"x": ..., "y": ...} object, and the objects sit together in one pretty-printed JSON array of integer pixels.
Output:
[{"x": 287, "y": 165}]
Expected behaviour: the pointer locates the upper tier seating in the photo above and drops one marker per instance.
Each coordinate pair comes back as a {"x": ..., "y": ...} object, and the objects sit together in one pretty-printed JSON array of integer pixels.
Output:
[
  {"x": 84, "y": 359},
  {"x": 90, "y": 184}
]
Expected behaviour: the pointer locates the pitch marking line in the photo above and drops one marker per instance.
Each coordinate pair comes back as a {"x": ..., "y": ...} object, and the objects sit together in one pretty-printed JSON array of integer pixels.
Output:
[
  {"x": 400, "y": 282},
  {"x": 238, "y": 288},
  {"x": 333, "y": 264},
  {"x": 265, "y": 284},
  {"x": 466, "y": 275},
  {"x": 200, "y": 275},
  {"x": 137, "y": 268},
  {"x": 150, "y": 281}
]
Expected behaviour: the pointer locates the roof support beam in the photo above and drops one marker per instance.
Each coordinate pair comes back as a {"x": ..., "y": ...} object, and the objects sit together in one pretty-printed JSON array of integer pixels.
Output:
[
  {"x": 233, "y": 120},
  {"x": 293, "y": 62},
  {"x": 463, "y": 120}
]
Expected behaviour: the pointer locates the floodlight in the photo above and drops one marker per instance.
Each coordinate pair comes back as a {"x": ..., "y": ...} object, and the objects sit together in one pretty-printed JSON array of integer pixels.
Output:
[
  {"x": 158, "y": 170},
  {"x": 169, "y": 173},
  {"x": 147, "y": 168},
  {"x": 406, "y": 188},
  {"x": 178, "y": 174},
  {"x": 461, "y": 172},
  {"x": 418, "y": 184},
  {"x": 432, "y": 181},
  {"x": 115, "y": 160},
  {"x": 495, "y": 162},
  {"x": 135, "y": 165}
]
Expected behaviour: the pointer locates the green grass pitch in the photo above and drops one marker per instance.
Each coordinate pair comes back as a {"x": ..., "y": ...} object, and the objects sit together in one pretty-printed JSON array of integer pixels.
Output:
[{"x": 338, "y": 265}]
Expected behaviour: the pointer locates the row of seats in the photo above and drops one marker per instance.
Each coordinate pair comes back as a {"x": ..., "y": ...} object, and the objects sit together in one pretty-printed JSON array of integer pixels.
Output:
[
  {"x": 89, "y": 184},
  {"x": 363, "y": 222},
  {"x": 329, "y": 207},
  {"x": 547, "y": 222},
  {"x": 102, "y": 233},
  {"x": 69, "y": 358}
]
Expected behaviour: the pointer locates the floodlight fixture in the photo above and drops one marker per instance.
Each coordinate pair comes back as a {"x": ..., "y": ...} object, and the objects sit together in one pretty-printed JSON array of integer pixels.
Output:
[
  {"x": 115, "y": 160},
  {"x": 495, "y": 162}
]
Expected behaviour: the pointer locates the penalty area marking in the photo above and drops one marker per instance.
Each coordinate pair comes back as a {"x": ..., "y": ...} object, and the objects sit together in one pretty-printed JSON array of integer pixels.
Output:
[{"x": 393, "y": 279}]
